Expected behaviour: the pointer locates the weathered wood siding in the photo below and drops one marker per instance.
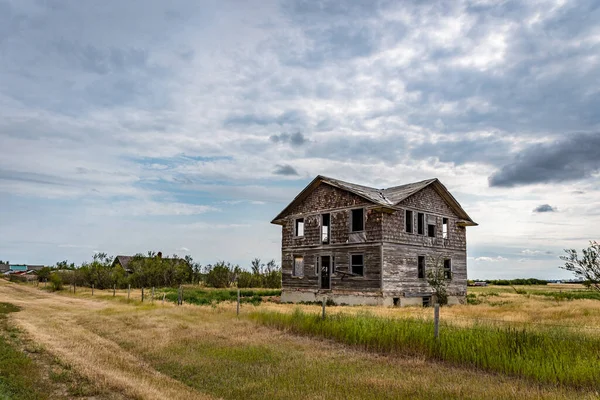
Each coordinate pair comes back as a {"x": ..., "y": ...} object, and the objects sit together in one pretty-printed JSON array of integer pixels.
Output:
[
  {"x": 400, "y": 273},
  {"x": 370, "y": 282}
]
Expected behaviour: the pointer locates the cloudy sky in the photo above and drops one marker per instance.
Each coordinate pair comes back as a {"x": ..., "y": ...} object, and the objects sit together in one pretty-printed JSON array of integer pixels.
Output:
[{"x": 186, "y": 126}]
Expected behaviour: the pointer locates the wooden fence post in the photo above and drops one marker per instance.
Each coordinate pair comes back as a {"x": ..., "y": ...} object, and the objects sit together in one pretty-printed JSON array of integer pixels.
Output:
[
  {"x": 142, "y": 294},
  {"x": 114, "y": 289},
  {"x": 163, "y": 301},
  {"x": 238, "y": 302},
  {"x": 92, "y": 289},
  {"x": 128, "y": 291},
  {"x": 436, "y": 320},
  {"x": 324, "y": 301},
  {"x": 152, "y": 294}
]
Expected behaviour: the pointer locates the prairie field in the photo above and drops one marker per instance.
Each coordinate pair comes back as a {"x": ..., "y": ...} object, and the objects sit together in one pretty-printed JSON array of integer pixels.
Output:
[{"x": 75, "y": 345}]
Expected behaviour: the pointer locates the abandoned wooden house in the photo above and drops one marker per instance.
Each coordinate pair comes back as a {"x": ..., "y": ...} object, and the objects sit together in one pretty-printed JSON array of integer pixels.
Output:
[{"x": 360, "y": 245}]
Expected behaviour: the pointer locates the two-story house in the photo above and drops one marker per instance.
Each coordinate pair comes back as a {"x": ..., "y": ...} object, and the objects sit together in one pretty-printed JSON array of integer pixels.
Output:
[{"x": 360, "y": 245}]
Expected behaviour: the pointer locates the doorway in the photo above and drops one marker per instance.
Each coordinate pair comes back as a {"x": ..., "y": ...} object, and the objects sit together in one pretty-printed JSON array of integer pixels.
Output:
[{"x": 326, "y": 272}]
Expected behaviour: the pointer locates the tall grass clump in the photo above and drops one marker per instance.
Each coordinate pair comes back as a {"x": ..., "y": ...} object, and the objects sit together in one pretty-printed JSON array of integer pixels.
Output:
[{"x": 549, "y": 356}]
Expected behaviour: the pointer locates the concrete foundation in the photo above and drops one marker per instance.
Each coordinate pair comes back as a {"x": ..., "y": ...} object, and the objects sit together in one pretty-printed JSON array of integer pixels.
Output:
[{"x": 354, "y": 299}]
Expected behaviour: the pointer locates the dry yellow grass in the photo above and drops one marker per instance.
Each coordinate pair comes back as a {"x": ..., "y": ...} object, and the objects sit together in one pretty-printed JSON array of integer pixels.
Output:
[{"x": 205, "y": 352}]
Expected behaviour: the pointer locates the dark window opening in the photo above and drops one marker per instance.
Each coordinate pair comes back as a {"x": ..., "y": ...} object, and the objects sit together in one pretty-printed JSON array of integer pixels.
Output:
[
  {"x": 357, "y": 264},
  {"x": 299, "y": 230},
  {"x": 298, "y": 269},
  {"x": 431, "y": 230},
  {"x": 325, "y": 227},
  {"x": 445, "y": 228},
  {"x": 358, "y": 223},
  {"x": 421, "y": 267},
  {"x": 421, "y": 223},
  {"x": 396, "y": 301},
  {"x": 426, "y": 301},
  {"x": 447, "y": 269},
  {"x": 408, "y": 221}
]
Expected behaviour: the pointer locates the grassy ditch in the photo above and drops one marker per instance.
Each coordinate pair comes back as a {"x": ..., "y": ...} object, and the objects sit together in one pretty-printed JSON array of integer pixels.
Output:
[
  {"x": 215, "y": 296},
  {"x": 18, "y": 374},
  {"x": 550, "y": 356}
]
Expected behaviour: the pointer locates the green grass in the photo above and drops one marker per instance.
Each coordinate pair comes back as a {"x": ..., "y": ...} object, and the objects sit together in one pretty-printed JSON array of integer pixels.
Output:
[
  {"x": 18, "y": 374},
  {"x": 215, "y": 296},
  {"x": 551, "y": 356},
  {"x": 569, "y": 295}
]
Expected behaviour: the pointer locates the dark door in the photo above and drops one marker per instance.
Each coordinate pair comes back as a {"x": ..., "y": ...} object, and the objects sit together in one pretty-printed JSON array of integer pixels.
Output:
[{"x": 325, "y": 272}]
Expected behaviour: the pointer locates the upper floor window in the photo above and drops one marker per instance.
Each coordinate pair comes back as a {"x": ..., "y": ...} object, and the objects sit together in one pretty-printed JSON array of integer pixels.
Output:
[
  {"x": 421, "y": 223},
  {"x": 358, "y": 221},
  {"x": 325, "y": 228},
  {"x": 421, "y": 267},
  {"x": 408, "y": 221},
  {"x": 445, "y": 228},
  {"x": 431, "y": 230},
  {"x": 298, "y": 267},
  {"x": 299, "y": 228},
  {"x": 447, "y": 268},
  {"x": 357, "y": 264}
]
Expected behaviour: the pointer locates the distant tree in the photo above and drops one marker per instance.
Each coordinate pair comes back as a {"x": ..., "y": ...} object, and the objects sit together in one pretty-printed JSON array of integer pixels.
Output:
[
  {"x": 219, "y": 275},
  {"x": 43, "y": 274},
  {"x": 436, "y": 278},
  {"x": 586, "y": 267}
]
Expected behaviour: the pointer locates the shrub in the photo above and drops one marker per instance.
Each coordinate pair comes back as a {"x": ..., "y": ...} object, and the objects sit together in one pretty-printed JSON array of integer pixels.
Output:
[{"x": 56, "y": 282}]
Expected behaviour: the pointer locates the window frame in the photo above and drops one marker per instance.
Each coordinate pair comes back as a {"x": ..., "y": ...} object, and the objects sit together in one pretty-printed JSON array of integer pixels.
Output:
[
  {"x": 294, "y": 258},
  {"x": 420, "y": 223},
  {"x": 429, "y": 232},
  {"x": 328, "y": 229},
  {"x": 421, "y": 268},
  {"x": 448, "y": 271},
  {"x": 406, "y": 221},
  {"x": 296, "y": 220},
  {"x": 351, "y": 265},
  {"x": 362, "y": 209},
  {"x": 445, "y": 228}
]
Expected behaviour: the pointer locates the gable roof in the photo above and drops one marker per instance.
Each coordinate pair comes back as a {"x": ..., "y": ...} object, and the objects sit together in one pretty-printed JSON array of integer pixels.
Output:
[{"x": 389, "y": 197}]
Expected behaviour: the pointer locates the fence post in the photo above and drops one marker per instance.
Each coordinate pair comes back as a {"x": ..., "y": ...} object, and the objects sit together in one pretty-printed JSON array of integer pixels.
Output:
[
  {"x": 142, "y": 294},
  {"x": 74, "y": 287},
  {"x": 238, "y": 302},
  {"x": 92, "y": 289},
  {"x": 324, "y": 301},
  {"x": 436, "y": 320},
  {"x": 180, "y": 295},
  {"x": 128, "y": 291},
  {"x": 152, "y": 294},
  {"x": 163, "y": 301},
  {"x": 114, "y": 289}
]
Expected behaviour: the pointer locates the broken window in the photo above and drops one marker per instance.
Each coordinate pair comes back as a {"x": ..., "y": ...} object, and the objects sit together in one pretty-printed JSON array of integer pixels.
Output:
[
  {"x": 426, "y": 301},
  {"x": 325, "y": 227},
  {"x": 298, "y": 269},
  {"x": 431, "y": 230},
  {"x": 447, "y": 269},
  {"x": 358, "y": 223},
  {"x": 357, "y": 264},
  {"x": 421, "y": 223},
  {"x": 445, "y": 228},
  {"x": 299, "y": 227},
  {"x": 421, "y": 267},
  {"x": 408, "y": 221}
]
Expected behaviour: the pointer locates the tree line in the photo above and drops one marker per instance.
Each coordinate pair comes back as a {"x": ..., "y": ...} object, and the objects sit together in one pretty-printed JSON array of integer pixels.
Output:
[{"x": 153, "y": 270}]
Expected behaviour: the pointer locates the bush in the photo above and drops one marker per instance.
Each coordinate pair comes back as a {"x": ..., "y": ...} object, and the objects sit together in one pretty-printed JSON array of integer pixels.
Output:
[{"x": 56, "y": 282}]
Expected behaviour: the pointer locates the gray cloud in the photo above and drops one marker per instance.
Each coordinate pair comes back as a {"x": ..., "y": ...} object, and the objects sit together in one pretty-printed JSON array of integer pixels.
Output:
[
  {"x": 573, "y": 157},
  {"x": 285, "y": 169},
  {"x": 542, "y": 208},
  {"x": 294, "y": 139},
  {"x": 484, "y": 150}
]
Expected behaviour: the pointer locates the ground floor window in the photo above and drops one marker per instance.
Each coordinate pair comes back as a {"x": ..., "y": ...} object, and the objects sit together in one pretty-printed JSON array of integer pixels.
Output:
[
  {"x": 447, "y": 268},
  {"x": 357, "y": 264},
  {"x": 426, "y": 301},
  {"x": 298, "y": 267}
]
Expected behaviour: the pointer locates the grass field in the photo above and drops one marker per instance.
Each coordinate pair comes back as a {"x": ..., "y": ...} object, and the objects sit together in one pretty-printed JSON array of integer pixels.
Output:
[{"x": 154, "y": 350}]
